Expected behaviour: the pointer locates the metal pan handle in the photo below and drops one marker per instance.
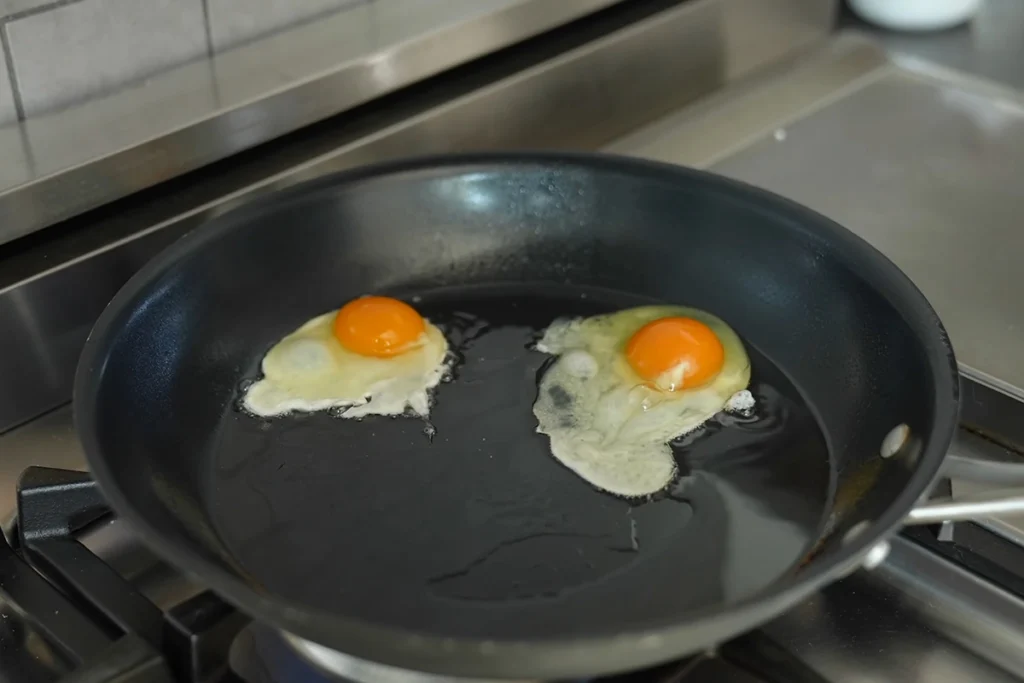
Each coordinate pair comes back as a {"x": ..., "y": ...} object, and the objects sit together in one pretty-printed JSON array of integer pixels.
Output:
[{"x": 974, "y": 459}]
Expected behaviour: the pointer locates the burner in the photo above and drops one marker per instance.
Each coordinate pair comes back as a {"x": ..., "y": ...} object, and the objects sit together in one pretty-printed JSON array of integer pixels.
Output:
[{"x": 110, "y": 630}]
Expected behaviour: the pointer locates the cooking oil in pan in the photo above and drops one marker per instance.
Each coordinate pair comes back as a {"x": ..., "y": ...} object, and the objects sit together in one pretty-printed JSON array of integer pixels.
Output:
[{"x": 379, "y": 520}]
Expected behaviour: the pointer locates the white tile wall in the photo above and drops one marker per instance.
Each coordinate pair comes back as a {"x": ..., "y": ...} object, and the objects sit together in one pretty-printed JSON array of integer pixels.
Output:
[
  {"x": 66, "y": 51},
  {"x": 236, "y": 21},
  {"x": 73, "y": 51},
  {"x": 7, "y": 109}
]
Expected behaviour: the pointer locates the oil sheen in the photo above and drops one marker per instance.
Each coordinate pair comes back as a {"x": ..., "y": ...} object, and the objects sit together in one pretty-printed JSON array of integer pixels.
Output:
[{"x": 467, "y": 524}]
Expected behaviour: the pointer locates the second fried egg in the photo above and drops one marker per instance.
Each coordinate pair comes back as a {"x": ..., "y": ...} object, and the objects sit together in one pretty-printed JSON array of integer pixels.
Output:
[{"x": 625, "y": 384}]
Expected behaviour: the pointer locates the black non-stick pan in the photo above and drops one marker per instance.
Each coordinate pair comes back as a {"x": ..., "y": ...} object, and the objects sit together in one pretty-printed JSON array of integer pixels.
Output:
[{"x": 462, "y": 546}]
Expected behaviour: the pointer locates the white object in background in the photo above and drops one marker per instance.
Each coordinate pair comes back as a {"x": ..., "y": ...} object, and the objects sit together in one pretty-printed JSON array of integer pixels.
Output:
[{"x": 916, "y": 15}]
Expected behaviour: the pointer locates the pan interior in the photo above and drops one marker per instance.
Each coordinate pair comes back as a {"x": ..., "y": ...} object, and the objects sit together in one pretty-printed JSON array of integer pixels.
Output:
[
  {"x": 493, "y": 540},
  {"x": 468, "y": 526}
]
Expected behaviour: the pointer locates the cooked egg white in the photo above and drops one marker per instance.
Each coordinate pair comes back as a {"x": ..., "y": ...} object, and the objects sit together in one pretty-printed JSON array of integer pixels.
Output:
[
  {"x": 309, "y": 370},
  {"x": 604, "y": 422}
]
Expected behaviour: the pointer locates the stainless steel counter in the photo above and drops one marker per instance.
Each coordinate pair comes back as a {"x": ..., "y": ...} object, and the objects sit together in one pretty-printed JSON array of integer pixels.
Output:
[
  {"x": 991, "y": 46},
  {"x": 921, "y": 162}
]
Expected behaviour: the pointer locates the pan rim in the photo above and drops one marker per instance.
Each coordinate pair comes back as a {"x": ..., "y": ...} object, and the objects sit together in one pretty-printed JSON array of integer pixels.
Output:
[{"x": 547, "y": 658}]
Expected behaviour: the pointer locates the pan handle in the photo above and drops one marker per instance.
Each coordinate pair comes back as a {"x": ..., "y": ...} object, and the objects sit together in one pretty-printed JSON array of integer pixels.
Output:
[
  {"x": 968, "y": 508},
  {"x": 972, "y": 458}
]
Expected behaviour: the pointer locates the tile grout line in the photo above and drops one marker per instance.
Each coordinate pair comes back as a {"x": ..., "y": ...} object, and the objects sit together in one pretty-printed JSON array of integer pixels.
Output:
[
  {"x": 19, "y": 107},
  {"x": 6, "y": 44},
  {"x": 12, "y": 75},
  {"x": 32, "y": 11},
  {"x": 208, "y": 27}
]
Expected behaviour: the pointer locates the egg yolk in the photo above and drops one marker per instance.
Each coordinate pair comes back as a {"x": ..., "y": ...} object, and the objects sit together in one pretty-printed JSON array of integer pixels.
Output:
[
  {"x": 667, "y": 343},
  {"x": 378, "y": 326}
]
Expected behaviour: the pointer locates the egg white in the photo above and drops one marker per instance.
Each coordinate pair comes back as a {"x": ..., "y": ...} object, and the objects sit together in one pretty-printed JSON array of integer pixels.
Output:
[
  {"x": 602, "y": 419},
  {"x": 309, "y": 370}
]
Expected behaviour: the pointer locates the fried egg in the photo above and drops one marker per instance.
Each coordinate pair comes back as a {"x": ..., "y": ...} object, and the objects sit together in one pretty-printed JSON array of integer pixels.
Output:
[
  {"x": 625, "y": 384},
  {"x": 375, "y": 356}
]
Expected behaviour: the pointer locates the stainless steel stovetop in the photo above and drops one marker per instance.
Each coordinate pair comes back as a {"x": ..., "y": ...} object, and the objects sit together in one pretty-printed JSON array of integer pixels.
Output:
[{"x": 919, "y": 160}]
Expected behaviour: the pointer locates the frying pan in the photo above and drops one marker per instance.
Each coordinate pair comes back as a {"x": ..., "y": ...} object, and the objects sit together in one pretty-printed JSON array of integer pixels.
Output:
[{"x": 474, "y": 553}]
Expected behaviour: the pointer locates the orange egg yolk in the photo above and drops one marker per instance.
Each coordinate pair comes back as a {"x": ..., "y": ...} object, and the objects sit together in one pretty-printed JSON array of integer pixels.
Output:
[
  {"x": 666, "y": 343},
  {"x": 378, "y": 326}
]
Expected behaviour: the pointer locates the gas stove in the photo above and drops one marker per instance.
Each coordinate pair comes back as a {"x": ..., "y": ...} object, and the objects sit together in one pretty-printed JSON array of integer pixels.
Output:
[{"x": 82, "y": 599}]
